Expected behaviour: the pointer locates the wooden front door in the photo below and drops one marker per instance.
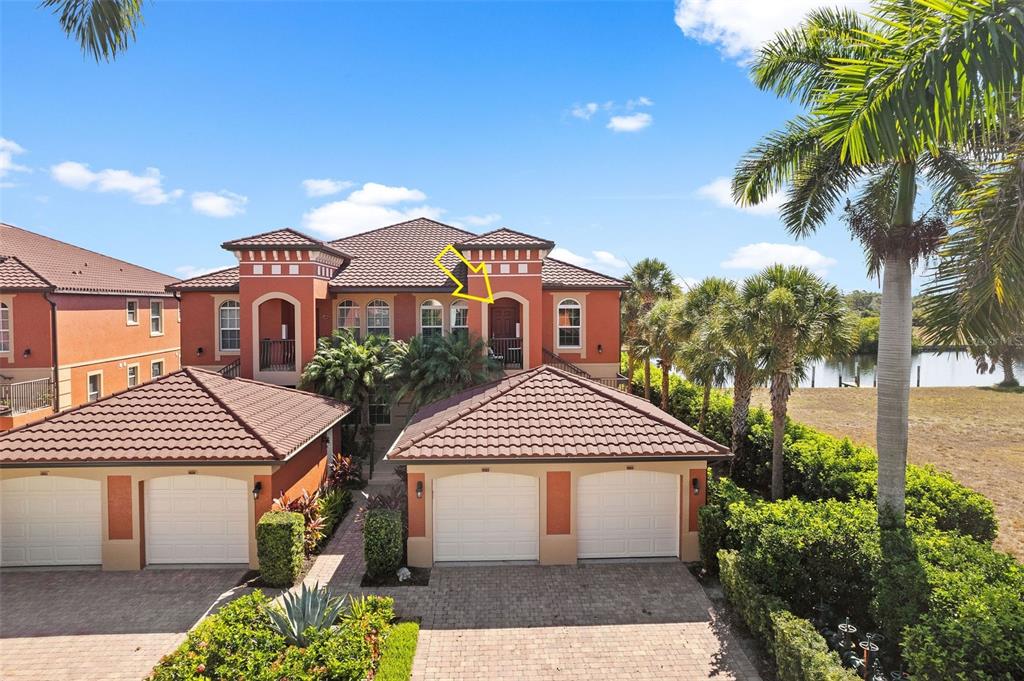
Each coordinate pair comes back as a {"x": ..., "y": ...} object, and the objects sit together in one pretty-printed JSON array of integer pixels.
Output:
[{"x": 504, "y": 317}]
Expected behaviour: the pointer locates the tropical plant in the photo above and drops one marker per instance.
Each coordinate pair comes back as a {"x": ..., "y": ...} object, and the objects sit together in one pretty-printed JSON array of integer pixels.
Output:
[
  {"x": 1000, "y": 353},
  {"x": 740, "y": 347},
  {"x": 431, "y": 369},
  {"x": 843, "y": 143},
  {"x": 796, "y": 318},
  {"x": 343, "y": 470},
  {"x": 102, "y": 28},
  {"x": 312, "y": 515},
  {"x": 309, "y": 608},
  {"x": 658, "y": 338},
  {"x": 648, "y": 280}
]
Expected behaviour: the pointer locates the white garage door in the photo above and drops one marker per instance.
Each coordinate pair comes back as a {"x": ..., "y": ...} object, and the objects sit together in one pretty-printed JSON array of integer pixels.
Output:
[
  {"x": 50, "y": 520},
  {"x": 485, "y": 516},
  {"x": 197, "y": 519},
  {"x": 626, "y": 514}
]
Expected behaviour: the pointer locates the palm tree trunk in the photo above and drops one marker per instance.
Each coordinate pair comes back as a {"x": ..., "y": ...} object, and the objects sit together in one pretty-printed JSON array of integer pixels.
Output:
[
  {"x": 705, "y": 403},
  {"x": 893, "y": 371},
  {"x": 647, "y": 379},
  {"x": 780, "y": 389},
  {"x": 1009, "y": 380},
  {"x": 742, "y": 387},
  {"x": 630, "y": 364},
  {"x": 666, "y": 369}
]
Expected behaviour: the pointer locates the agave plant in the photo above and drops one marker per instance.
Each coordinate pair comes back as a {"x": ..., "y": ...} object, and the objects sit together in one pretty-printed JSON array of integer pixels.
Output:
[{"x": 309, "y": 607}]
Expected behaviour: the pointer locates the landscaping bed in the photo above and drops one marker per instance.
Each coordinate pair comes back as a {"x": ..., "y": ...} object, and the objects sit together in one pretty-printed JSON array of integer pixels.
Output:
[{"x": 419, "y": 577}]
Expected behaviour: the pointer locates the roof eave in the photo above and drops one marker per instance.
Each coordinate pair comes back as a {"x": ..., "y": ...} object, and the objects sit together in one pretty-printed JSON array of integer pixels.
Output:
[{"x": 559, "y": 459}]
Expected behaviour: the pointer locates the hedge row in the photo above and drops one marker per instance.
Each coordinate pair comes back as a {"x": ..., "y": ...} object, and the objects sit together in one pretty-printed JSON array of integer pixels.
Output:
[{"x": 279, "y": 545}]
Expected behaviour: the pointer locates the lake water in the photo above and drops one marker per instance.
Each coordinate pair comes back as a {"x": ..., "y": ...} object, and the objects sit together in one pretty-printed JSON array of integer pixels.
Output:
[{"x": 937, "y": 369}]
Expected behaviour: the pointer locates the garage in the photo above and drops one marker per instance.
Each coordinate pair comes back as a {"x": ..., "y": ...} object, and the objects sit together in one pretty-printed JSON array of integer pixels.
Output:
[
  {"x": 197, "y": 519},
  {"x": 486, "y": 516},
  {"x": 50, "y": 520},
  {"x": 628, "y": 514}
]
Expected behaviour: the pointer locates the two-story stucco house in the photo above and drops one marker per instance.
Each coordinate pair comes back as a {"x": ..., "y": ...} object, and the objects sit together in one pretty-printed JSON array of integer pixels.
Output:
[{"x": 76, "y": 325}]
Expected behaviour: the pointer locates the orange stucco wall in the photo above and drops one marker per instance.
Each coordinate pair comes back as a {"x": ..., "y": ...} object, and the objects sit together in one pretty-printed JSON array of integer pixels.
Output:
[
  {"x": 115, "y": 375},
  {"x": 119, "y": 507},
  {"x": 305, "y": 290},
  {"x": 91, "y": 328},
  {"x": 199, "y": 329},
  {"x": 600, "y": 325},
  {"x": 305, "y": 470},
  {"x": 417, "y": 506},
  {"x": 559, "y": 502},
  {"x": 405, "y": 316},
  {"x": 30, "y": 327},
  {"x": 696, "y": 500}
]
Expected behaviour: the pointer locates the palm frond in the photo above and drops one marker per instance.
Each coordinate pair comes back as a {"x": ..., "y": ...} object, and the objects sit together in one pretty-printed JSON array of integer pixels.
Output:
[{"x": 103, "y": 28}]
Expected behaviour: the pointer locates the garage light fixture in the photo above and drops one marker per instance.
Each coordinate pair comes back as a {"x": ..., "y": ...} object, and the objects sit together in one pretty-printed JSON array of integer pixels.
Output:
[
  {"x": 696, "y": 486},
  {"x": 256, "y": 489},
  {"x": 419, "y": 489},
  {"x": 199, "y": 351}
]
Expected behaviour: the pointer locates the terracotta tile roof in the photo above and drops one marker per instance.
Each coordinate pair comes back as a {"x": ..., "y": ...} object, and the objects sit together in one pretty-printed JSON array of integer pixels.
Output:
[
  {"x": 71, "y": 269},
  {"x": 189, "y": 415},
  {"x": 221, "y": 280},
  {"x": 14, "y": 275},
  {"x": 547, "y": 413},
  {"x": 505, "y": 237},
  {"x": 398, "y": 256},
  {"x": 280, "y": 238},
  {"x": 557, "y": 274}
]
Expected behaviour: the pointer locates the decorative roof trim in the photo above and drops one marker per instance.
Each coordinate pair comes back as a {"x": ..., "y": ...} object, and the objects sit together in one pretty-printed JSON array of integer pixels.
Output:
[{"x": 314, "y": 244}]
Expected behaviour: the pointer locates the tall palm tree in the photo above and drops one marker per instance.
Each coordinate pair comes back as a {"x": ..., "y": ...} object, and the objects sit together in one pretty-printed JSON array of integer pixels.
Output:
[
  {"x": 660, "y": 339},
  {"x": 103, "y": 28},
  {"x": 648, "y": 280},
  {"x": 798, "y": 318},
  {"x": 818, "y": 165},
  {"x": 703, "y": 351},
  {"x": 740, "y": 345}
]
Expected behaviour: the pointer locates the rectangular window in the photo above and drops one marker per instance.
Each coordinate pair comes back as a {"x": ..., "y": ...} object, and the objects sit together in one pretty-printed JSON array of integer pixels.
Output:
[
  {"x": 132, "y": 308},
  {"x": 378, "y": 318},
  {"x": 95, "y": 387},
  {"x": 275, "y": 269},
  {"x": 133, "y": 375},
  {"x": 431, "y": 320},
  {"x": 293, "y": 269},
  {"x": 5, "y": 328},
  {"x": 156, "y": 318},
  {"x": 524, "y": 268},
  {"x": 380, "y": 413},
  {"x": 230, "y": 322},
  {"x": 157, "y": 368},
  {"x": 257, "y": 269},
  {"x": 569, "y": 318}
]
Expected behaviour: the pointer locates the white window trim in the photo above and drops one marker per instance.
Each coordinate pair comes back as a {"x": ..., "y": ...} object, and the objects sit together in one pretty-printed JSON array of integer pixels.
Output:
[
  {"x": 127, "y": 316},
  {"x": 382, "y": 423},
  {"x": 138, "y": 374},
  {"x": 559, "y": 327},
  {"x": 359, "y": 318},
  {"x": 163, "y": 368},
  {"x": 457, "y": 305},
  {"x": 220, "y": 348},
  {"x": 391, "y": 316},
  {"x": 8, "y": 354},
  {"x": 88, "y": 378},
  {"x": 153, "y": 333},
  {"x": 419, "y": 316}
]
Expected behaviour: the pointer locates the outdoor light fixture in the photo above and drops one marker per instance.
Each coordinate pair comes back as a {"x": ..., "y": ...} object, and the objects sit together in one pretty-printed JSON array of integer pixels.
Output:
[
  {"x": 600, "y": 348},
  {"x": 27, "y": 352},
  {"x": 199, "y": 351},
  {"x": 256, "y": 489},
  {"x": 696, "y": 486},
  {"x": 419, "y": 489}
]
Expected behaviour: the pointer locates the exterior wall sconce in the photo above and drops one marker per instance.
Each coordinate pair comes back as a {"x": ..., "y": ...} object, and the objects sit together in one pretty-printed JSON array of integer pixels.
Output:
[
  {"x": 696, "y": 486},
  {"x": 600, "y": 348},
  {"x": 419, "y": 489},
  {"x": 256, "y": 489},
  {"x": 199, "y": 351},
  {"x": 27, "y": 352}
]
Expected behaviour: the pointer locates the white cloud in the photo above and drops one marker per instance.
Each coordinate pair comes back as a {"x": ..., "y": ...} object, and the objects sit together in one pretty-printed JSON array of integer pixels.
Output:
[
  {"x": 190, "y": 271},
  {"x": 325, "y": 186},
  {"x": 479, "y": 220},
  {"x": 604, "y": 261},
  {"x": 222, "y": 204},
  {"x": 719, "y": 190},
  {"x": 372, "y": 205},
  {"x": 584, "y": 111},
  {"x": 564, "y": 254},
  {"x": 760, "y": 255},
  {"x": 638, "y": 102},
  {"x": 8, "y": 150},
  {"x": 146, "y": 189},
  {"x": 740, "y": 27},
  {"x": 610, "y": 260},
  {"x": 630, "y": 123}
]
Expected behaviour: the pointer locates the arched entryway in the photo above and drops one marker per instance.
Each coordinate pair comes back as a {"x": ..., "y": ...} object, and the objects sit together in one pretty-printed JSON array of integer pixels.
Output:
[
  {"x": 506, "y": 323},
  {"x": 276, "y": 319}
]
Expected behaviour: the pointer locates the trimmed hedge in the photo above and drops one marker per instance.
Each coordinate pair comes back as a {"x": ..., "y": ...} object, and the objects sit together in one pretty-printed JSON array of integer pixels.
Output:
[
  {"x": 712, "y": 519},
  {"x": 382, "y": 542},
  {"x": 279, "y": 545}
]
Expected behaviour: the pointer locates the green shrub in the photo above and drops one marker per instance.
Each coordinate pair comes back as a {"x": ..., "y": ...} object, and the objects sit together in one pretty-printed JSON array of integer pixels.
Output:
[
  {"x": 279, "y": 545},
  {"x": 382, "y": 541},
  {"x": 334, "y": 504},
  {"x": 304, "y": 612},
  {"x": 712, "y": 519},
  {"x": 399, "y": 649},
  {"x": 934, "y": 494},
  {"x": 754, "y": 606}
]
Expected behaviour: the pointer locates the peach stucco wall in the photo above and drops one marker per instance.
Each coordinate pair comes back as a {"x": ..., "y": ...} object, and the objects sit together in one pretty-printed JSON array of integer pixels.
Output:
[
  {"x": 30, "y": 330},
  {"x": 599, "y": 326},
  {"x": 304, "y": 471},
  {"x": 199, "y": 310}
]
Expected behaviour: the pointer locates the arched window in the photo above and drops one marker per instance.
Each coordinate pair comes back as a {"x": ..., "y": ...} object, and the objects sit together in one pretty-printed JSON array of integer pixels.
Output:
[
  {"x": 230, "y": 324},
  {"x": 431, "y": 319},
  {"x": 460, "y": 319},
  {"x": 378, "y": 318},
  {"x": 348, "y": 317},
  {"x": 569, "y": 316},
  {"x": 5, "y": 328}
]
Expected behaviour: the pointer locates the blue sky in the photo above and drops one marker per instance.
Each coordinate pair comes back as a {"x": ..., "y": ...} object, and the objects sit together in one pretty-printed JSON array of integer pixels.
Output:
[{"x": 605, "y": 127}]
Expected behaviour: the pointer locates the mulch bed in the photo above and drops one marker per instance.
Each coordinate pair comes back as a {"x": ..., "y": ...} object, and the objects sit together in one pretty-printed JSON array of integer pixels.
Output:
[{"x": 420, "y": 577}]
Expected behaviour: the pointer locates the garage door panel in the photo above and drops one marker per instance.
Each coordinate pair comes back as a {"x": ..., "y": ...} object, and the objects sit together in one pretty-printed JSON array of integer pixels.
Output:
[
  {"x": 50, "y": 520},
  {"x": 197, "y": 519},
  {"x": 486, "y": 516},
  {"x": 624, "y": 514}
]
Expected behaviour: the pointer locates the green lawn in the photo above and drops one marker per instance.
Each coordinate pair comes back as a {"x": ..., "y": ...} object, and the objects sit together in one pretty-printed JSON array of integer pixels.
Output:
[{"x": 399, "y": 648}]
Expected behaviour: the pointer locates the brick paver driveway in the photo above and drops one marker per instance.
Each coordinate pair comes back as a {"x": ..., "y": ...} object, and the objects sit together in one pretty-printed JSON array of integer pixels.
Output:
[
  {"x": 87, "y": 624},
  {"x": 532, "y": 623}
]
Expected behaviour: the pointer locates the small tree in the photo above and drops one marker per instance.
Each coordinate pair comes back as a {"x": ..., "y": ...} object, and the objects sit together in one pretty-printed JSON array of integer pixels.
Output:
[
  {"x": 649, "y": 280},
  {"x": 703, "y": 348}
]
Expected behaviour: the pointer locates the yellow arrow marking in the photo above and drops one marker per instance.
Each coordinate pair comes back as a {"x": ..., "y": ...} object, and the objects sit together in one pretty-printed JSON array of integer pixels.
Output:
[{"x": 478, "y": 269}]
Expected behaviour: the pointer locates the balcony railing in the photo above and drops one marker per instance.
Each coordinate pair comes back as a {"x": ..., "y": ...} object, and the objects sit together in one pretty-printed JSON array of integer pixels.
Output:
[
  {"x": 619, "y": 382},
  {"x": 25, "y": 396},
  {"x": 508, "y": 351},
  {"x": 231, "y": 370},
  {"x": 277, "y": 355}
]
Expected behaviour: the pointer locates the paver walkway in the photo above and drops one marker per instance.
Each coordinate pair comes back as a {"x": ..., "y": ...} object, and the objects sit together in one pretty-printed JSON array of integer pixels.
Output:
[
  {"x": 87, "y": 624},
  {"x": 533, "y": 623}
]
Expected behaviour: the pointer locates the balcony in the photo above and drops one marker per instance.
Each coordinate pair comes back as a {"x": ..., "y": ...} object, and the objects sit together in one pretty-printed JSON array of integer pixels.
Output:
[
  {"x": 619, "y": 382},
  {"x": 26, "y": 396},
  {"x": 277, "y": 355},
  {"x": 507, "y": 351}
]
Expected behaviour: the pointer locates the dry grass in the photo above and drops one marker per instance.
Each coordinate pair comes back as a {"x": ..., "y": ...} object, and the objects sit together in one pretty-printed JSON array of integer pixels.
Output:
[{"x": 977, "y": 434}]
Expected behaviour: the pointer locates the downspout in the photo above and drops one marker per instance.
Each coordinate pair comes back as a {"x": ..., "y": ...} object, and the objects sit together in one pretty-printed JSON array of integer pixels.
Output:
[{"x": 53, "y": 351}]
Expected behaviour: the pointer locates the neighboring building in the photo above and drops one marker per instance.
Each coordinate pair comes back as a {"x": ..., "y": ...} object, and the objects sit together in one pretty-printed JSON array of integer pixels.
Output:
[
  {"x": 262, "y": 318},
  {"x": 77, "y": 325},
  {"x": 548, "y": 466},
  {"x": 176, "y": 471}
]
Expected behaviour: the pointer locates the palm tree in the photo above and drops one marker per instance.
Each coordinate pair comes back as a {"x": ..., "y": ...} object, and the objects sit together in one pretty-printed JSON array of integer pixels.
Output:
[
  {"x": 740, "y": 346},
  {"x": 103, "y": 28},
  {"x": 435, "y": 368},
  {"x": 660, "y": 339},
  {"x": 648, "y": 280},
  {"x": 818, "y": 160},
  {"x": 797, "y": 318}
]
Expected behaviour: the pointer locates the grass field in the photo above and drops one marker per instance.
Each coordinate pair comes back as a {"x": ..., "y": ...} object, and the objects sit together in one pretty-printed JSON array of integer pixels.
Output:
[{"x": 977, "y": 434}]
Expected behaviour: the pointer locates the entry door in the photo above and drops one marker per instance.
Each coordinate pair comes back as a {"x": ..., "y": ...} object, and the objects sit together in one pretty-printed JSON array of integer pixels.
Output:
[
  {"x": 50, "y": 520},
  {"x": 628, "y": 514},
  {"x": 197, "y": 519},
  {"x": 504, "y": 317},
  {"x": 486, "y": 516}
]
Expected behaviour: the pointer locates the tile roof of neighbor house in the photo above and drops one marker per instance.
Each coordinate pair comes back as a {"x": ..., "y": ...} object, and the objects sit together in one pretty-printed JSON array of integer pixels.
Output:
[
  {"x": 14, "y": 275},
  {"x": 507, "y": 238},
  {"x": 544, "y": 414},
  {"x": 281, "y": 238},
  {"x": 402, "y": 257},
  {"x": 70, "y": 269},
  {"x": 190, "y": 415}
]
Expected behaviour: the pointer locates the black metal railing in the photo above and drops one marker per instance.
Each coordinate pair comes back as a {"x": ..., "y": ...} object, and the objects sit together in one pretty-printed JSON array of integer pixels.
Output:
[
  {"x": 25, "y": 396},
  {"x": 619, "y": 382},
  {"x": 231, "y": 370},
  {"x": 508, "y": 351},
  {"x": 277, "y": 355}
]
